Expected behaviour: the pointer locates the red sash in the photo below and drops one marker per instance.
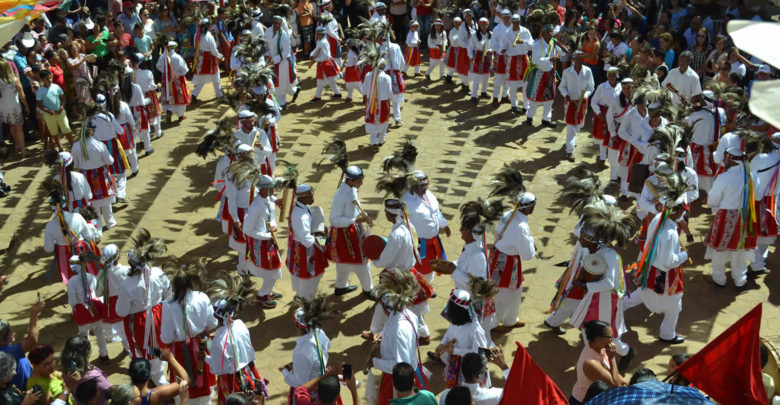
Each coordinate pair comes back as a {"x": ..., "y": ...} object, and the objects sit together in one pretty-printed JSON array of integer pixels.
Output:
[
  {"x": 433, "y": 250},
  {"x": 412, "y": 56},
  {"x": 153, "y": 108},
  {"x": 703, "y": 163},
  {"x": 600, "y": 129},
  {"x": 351, "y": 74},
  {"x": 725, "y": 232},
  {"x": 135, "y": 329},
  {"x": 263, "y": 253},
  {"x": 482, "y": 65},
  {"x": 434, "y": 53},
  {"x": 505, "y": 271},
  {"x": 209, "y": 64},
  {"x": 452, "y": 56},
  {"x": 301, "y": 265},
  {"x": 463, "y": 61},
  {"x": 674, "y": 280},
  {"x": 344, "y": 246},
  {"x": 766, "y": 223},
  {"x": 383, "y": 113},
  {"x": 186, "y": 353},
  {"x": 518, "y": 64},
  {"x": 501, "y": 64},
  {"x": 84, "y": 315},
  {"x": 326, "y": 69},
  {"x": 571, "y": 108}
]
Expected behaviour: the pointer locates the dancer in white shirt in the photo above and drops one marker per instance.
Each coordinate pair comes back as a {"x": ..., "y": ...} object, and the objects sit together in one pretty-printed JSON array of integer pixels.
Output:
[
  {"x": 576, "y": 87},
  {"x": 206, "y": 69}
]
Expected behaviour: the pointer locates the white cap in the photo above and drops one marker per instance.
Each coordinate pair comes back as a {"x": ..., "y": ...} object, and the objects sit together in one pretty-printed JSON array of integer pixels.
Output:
[
  {"x": 100, "y": 99},
  {"x": 708, "y": 95},
  {"x": 173, "y": 44},
  {"x": 414, "y": 22},
  {"x": 266, "y": 181},
  {"x": 110, "y": 253},
  {"x": 27, "y": 40},
  {"x": 88, "y": 24},
  {"x": 483, "y": 20},
  {"x": 506, "y": 13},
  {"x": 627, "y": 81},
  {"x": 75, "y": 263},
  {"x": 461, "y": 297},
  {"x": 205, "y": 21},
  {"x": 654, "y": 105},
  {"x": 128, "y": 70},
  {"x": 516, "y": 17},
  {"x": 354, "y": 172},
  {"x": 776, "y": 136},
  {"x": 324, "y": 3},
  {"x": 65, "y": 158},
  {"x": 526, "y": 199},
  {"x": 244, "y": 114},
  {"x": 457, "y": 19},
  {"x": 393, "y": 206},
  {"x": 613, "y": 69},
  {"x": 734, "y": 151},
  {"x": 594, "y": 264},
  {"x": 764, "y": 69},
  {"x": 608, "y": 199},
  {"x": 257, "y": 14},
  {"x": 303, "y": 189},
  {"x": 243, "y": 148}
]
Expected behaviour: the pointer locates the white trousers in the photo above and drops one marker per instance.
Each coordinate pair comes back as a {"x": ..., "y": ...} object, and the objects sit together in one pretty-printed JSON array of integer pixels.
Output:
[
  {"x": 179, "y": 110},
  {"x": 146, "y": 139},
  {"x": 464, "y": 80},
  {"x": 508, "y": 302},
  {"x": 602, "y": 150},
  {"x": 668, "y": 305},
  {"x": 564, "y": 312},
  {"x": 377, "y": 132},
  {"x": 623, "y": 174},
  {"x": 132, "y": 159},
  {"x": 285, "y": 87},
  {"x": 154, "y": 123},
  {"x": 200, "y": 80},
  {"x": 269, "y": 278},
  {"x": 451, "y": 71},
  {"x": 114, "y": 332},
  {"x": 305, "y": 287},
  {"x": 398, "y": 99},
  {"x": 546, "y": 109},
  {"x": 614, "y": 166},
  {"x": 105, "y": 213},
  {"x": 121, "y": 185},
  {"x": 430, "y": 276},
  {"x": 739, "y": 260},
  {"x": 363, "y": 272},
  {"x": 571, "y": 137},
  {"x": 204, "y": 400},
  {"x": 353, "y": 86},
  {"x": 759, "y": 259},
  {"x": 97, "y": 329},
  {"x": 330, "y": 82},
  {"x": 516, "y": 86},
  {"x": 500, "y": 85},
  {"x": 436, "y": 63},
  {"x": 416, "y": 68},
  {"x": 478, "y": 80}
]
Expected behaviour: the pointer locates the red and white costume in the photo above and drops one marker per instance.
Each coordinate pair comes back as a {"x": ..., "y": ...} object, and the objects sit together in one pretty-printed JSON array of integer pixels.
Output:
[
  {"x": 280, "y": 51},
  {"x": 110, "y": 280},
  {"x": 667, "y": 258},
  {"x": 262, "y": 248},
  {"x": 108, "y": 130},
  {"x": 576, "y": 85},
  {"x": 352, "y": 75},
  {"x": 175, "y": 96},
  {"x": 452, "y": 52},
  {"x": 207, "y": 64},
  {"x": 305, "y": 256},
  {"x": 309, "y": 359},
  {"x": 223, "y": 216},
  {"x": 539, "y": 86},
  {"x": 399, "y": 344},
  {"x": 426, "y": 218},
  {"x": 61, "y": 238},
  {"x": 127, "y": 139},
  {"x": 395, "y": 60},
  {"x": 238, "y": 197},
  {"x": 87, "y": 306},
  {"x": 765, "y": 167},
  {"x": 473, "y": 261},
  {"x": 140, "y": 105},
  {"x": 463, "y": 61},
  {"x": 184, "y": 324},
  {"x": 94, "y": 160},
  {"x": 140, "y": 303},
  {"x": 727, "y": 241},
  {"x": 635, "y": 132},
  {"x": 517, "y": 63},
  {"x": 144, "y": 78},
  {"x": 79, "y": 193},
  {"x": 332, "y": 36},
  {"x": 264, "y": 153},
  {"x": 436, "y": 45},
  {"x": 707, "y": 126},
  {"x": 481, "y": 54},
  {"x": 505, "y": 263},
  {"x": 346, "y": 238},
  {"x": 378, "y": 89},
  {"x": 231, "y": 358},
  {"x": 412, "y": 55},
  {"x": 602, "y": 98},
  {"x": 327, "y": 67},
  {"x": 499, "y": 45}
]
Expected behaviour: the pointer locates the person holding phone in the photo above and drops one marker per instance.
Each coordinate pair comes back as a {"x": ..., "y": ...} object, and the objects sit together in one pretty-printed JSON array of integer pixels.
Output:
[
  {"x": 327, "y": 387},
  {"x": 140, "y": 375},
  {"x": 9, "y": 393},
  {"x": 475, "y": 372},
  {"x": 18, "y": 350}
]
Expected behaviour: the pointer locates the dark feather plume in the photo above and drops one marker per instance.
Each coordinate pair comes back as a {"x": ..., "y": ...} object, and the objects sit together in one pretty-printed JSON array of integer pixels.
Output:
[
  {"x": 402, "y": 158},
  {"x": 245, "y": 171},
  {"x": 611, "y": 224},
  {"x": 481, "y": 288},
  {"x": 395, "y": 185},
  {"x": 397, "y": 287},
  {"x": 336, "y": 152},
  {"x": 508, "y": 182},
  {"x": 219, "y": 138},
  {"x": 579, "y": 191},
  {"x": 316, "y": 310},
  {"x": 145, "y": 248},
  {"x": 481, "y": 211},
  {"x": 233, "y": 288}
]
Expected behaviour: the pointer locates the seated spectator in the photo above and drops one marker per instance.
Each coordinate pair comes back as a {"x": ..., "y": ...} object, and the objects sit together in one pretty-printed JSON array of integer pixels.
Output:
[
  {"x": 675, "y": 361},
  {"x": 474, "y": 369},
  {"x": 642, "y": 375},
  {"x": 594, "y": 390},
  {"x": 597, "y": 361},
  {"x": 43, "y": 375},
  {"x": 9, "y": 393},
  {"x": 7, "y": 338},
  {"x": 327, "y": 389}
]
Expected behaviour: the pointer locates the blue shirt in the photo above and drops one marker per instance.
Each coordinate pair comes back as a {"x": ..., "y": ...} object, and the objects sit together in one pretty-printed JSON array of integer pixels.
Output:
[
  {"x": 50, "y": 97},
  {"x": 21, "y": 62},
  {"x": 669, "y": 58},
  {"x": 23, "y": 368},
  {"x": 144, "y": 45}
]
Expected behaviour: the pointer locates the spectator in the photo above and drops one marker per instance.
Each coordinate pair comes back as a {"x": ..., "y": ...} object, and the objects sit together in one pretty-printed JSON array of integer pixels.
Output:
[
  {"x": 97, "y": 43},
  {"x": 60, "y": 27},
  {"x": 722, "y": 75},
  {"x": 597, "y": 361},
  {"x": 306, "y": 26},
  {"x": 700, "y": 51},
  {"x": 43, "y": 375},
  {"x": 457, "y": 396},
  {"x": 121, "y": 36},
  {"x": 20, "y": 61},
  {"x": 147, "y": 23},
  {"x": 692, "y": 30},
  {"x": 594, "y": 390},
  {"x": 405, "y": 391},
  {"x": 54, "y": 65},
  {"x": 327, "y": 389},
  {"x": 425, "y": 18},
  {"x": 74, "y": 361},
  {"x": 642, "y": 375},
  {"x": 658, "y": 66},
  {"x": 51, "y": 100},
  {"x": 140, "y": 374},
  {"x": 666, "y": 43},
  {"x": 143, "y": 42},
  {"x": 9, "y": 392},
  {"x": 475, "y": 371},
  {"x": 165, "y": 23},
  {"x": 736, "y": 64},
  {"x": 675, "y": 361},
  {"x": 399, "y": 15},
  {"x": 82, "y": 78},
  {"x": 12, "y": 98},
  {"x": 678, "y": 13},
  {"x": 129, "y": 17},
  {"x": 7, "y": 337},
  {"x": 592, "y": 48}
]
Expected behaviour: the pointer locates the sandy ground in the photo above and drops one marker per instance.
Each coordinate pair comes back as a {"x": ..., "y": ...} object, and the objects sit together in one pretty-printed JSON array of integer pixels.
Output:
[{"x": 460, "y": 145}]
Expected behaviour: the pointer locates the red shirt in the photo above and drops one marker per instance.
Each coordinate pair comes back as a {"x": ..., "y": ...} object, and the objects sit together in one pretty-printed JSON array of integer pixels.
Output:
[
  {"x": 125, "y": 40},
  {"x": 425, "y": 10},
  {"x": 301, "y": 397},
  {"x": 56, "y": 75}
]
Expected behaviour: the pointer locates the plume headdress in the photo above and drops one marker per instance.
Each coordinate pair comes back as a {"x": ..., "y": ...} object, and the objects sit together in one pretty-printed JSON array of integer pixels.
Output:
[
  {"x": 476, "y": 216},
  {"x": 482, "y": 290},
  {"x": 144, "y": 250},
  {"x": 397, "y": 288},
  {"x": 508, "y": 182},
  {"x": 219, "y": 138},
  {"x": 371, "y": 56},
  {"x": 245, "y": 171},
  {"x": 57, "y": 200},
  {"x": 608, "y": 224},
  {"x": 336, "y": 152},
  {"x": 252, "y": 76},
  {"x": 185, "y": 275},
  {"x": 402, "y": 159},
  {"x": 312, "y": 312},
  {"x": 582, "y": 190},
  {"x": 397, "y": 185}
]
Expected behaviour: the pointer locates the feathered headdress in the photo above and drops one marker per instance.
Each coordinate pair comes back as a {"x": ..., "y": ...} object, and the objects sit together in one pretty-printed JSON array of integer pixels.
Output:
[
  {"x": 395, "y": 185},
  {"x": 481, "y": 288},
  {"x": 581, "y": 191},
  {"x": 540, "y": 17},
  {"x": 193, "y": 16},
  {"x": 667, "y": 139},
  {"x": 311, "y": 313},
  {"x": 238, "y": 19},
  {"x": 229, "y": 292},
  {"x": 286, "y": 178},
  {"x": 672, "y": 188},
  {"x": 508, "y": 182},
  {"x": 402, "y": 158},
  {"x": 88, "y": 212},
  {"x": 219, "y": 138},
  {"x": 245, "y": 171},
  {"x": 397, "y": 288},
  {"x": 55, "y": 190},
  {"x": 251, "y": 50},
  {"x": 660, "y": 98},
  {"x": 370, "y": 56},
  {"x": 609, "y": 224},
  {"x": 336, "y": 152},
  {"x": 755, "y": 142},
  {"x": 731, "y": 98},
  {"x": 252, "y": 75},
  {"x": 281, "y": 9},
  {"x": 185, "y": 276},
  {"x": 480, "y": 212},
  {"x": 144, "y": 249}
]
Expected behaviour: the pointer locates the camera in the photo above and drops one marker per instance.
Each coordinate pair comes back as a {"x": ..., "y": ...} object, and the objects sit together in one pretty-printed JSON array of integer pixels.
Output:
[
  {"x": 36, "y": 388},
  {"x": 154, "y": 351}
]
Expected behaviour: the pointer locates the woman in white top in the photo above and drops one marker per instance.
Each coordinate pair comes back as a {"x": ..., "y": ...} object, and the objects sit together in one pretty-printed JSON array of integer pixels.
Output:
[
  {"x": 11, "y": 101},
  {"x": 597, "y": 361}
]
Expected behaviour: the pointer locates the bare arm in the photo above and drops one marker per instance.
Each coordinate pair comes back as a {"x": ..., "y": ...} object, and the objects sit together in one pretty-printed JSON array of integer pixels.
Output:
[
  {"x": 32, "y": 330},
  {"x": 166, "y": 393}
]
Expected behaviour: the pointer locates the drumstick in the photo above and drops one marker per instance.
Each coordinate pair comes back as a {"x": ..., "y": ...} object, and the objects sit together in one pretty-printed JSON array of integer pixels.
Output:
[{"x": 579, "y": 105}]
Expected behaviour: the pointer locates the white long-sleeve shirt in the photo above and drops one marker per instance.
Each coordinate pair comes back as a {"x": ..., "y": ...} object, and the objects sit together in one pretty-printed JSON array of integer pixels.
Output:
[
  {"x": 97, "y": 152},
  {"x": 413, "y": 39},
  {"x": 764, "y": 167},
  {"x": 125, "y": 116},
  {"x": 300, "y": 220},
  {"x": 573, "y": 83},
  {"x": 53, "y": 235},
  {"x": 254, "y": 136},
  {"x": 438, "y": 40},
  {"x": 425, "y": 214},
  {"x": 465, "y": 33},
  {"x": 77, "y": 291},
  {"x": 703, "y": 122},
  {"x": 399, "y": 250},
  {"x": 668, "y": 254},
  {"x": 219, "y": 174},
  {"x": 258, "y": 218},
  {"x": 116, "y": 275},
  {"x": 135, "y": 297},
  {"x": 383, "y": 88},
  {"x": 237, "y": 197},
  {"x": 207, "y": 44},
  {"x": 471, "y": 261},
  {"x": 517, "y": 239},
  {"x": 399, "y": 341},
  {"x": 106, "y": 126},
  {"x": 332, "y": 26},
  {"x": 468, "y": 337},
  {"x": 228, "y": 354},
  {"x": 178, "y": 65},
  {"x": 454, "y": 41},
  {"x": 726, "y": 191},
  {"x": 477, "y": 44},
  {"x": 603, "y": 96},
  {"x": 321, "y": 50},
  {"x": 541, "y": 55},
  {"x": 726, "y": 142},
  {"x": 615, "y": 115},
  {"x": 144, "y": 78},
  {"x": 394, "y": 56},
  {"x": 278, "y": 45},
  {"x": 306, "y": 360},
  {"x": 343, "y": 210},
  {"x": 80, "y": 187},
  {"x": 687, "y": 83},
  {"x": 199, "y": 317},
  {"x": 523, "y": 48}
]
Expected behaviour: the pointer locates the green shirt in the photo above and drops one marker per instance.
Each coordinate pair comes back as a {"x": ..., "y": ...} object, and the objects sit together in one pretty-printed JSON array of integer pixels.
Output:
[
  {"x": 101, "y": 49},
  {"x": 53, "y": 385},
  {"x": 422, "y": 397}
]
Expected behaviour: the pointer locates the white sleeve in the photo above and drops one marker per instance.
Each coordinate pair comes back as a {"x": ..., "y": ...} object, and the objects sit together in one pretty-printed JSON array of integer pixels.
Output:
[
  {"x": 563, "y": 87},
  {"x": 527, "y": 248}
]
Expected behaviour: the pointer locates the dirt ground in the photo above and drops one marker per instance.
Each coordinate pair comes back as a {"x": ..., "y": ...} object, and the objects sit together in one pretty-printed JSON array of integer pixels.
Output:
[{"x": 461, "y": 145}]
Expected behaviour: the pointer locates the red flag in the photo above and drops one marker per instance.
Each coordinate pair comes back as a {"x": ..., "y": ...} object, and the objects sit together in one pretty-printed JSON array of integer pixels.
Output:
[
  {"x": 729, "y": 367},
  {"x": 528, "y": 384}
]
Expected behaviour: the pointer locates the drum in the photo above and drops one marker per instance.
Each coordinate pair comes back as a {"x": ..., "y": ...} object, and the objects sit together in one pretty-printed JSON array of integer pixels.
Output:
[
  {"x": 372, "y": 246},
  {"x": 772, "y": 367}
]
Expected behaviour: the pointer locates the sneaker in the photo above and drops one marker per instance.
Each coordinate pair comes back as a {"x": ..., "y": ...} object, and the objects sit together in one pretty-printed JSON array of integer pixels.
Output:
[
  {"x": 336, "y": 96},
  {"x": 529, "y": 121},
  {"x": 315, "y": 100},
  {"x": 345, "y": 290},
  {"x": 266, "y": 302},
  {"x": 548, "y": 124},
  {"x": 474, "y": 100},
  {"x": 149, "y": 152},
  {"x": 276, "y": 295}
]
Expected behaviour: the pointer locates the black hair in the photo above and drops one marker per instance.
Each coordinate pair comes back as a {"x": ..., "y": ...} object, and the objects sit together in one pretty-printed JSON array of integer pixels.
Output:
[
  {"x": 403, "y": 377},
  {"x": 137, "y": 26},
  {"x": 479, "y": 34},
  {"x": 659, "y": 53},
  {"x": 77, "y": 350},
  {"x": 85, "y": 391},
  {"x": 595, "y": 389},
  {"x": 457, "y": 314},
  {"x": 237, "y": 398},
  {"x": 764, "y": 355},
  {"x": 472, "y": 365},
  {"x": 139, "y": 371},
  {"x": 680, "y": 358},
  {"x": 328, "y": 389},
  {"x": 642, "y": 375},
  {"x": 49, "y": 53},
  {"x": 595, "y": 329},
  {"x": 623, "y": 100},
  {"x": 458, "y": 396}
]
